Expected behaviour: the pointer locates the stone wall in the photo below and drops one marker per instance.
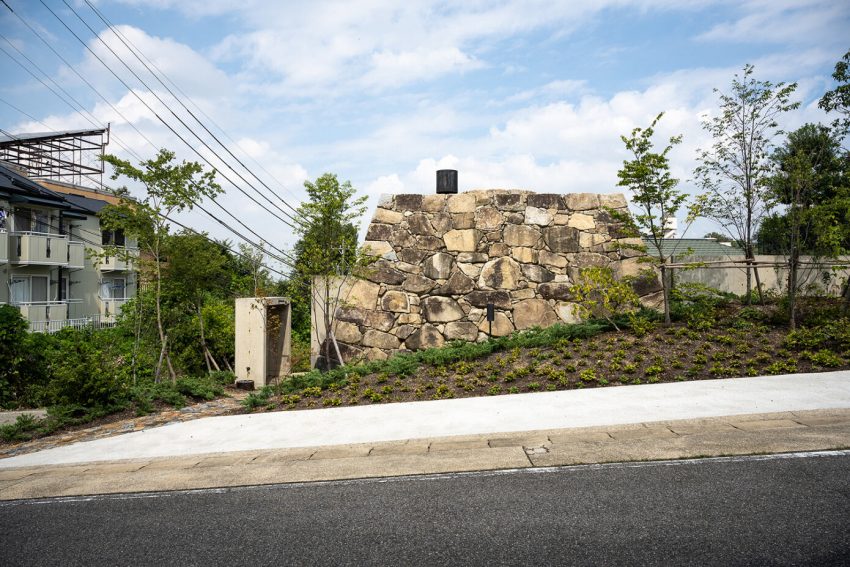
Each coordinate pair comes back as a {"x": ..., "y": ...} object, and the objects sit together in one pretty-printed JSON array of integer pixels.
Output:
[{"x": 443, "y": 258}]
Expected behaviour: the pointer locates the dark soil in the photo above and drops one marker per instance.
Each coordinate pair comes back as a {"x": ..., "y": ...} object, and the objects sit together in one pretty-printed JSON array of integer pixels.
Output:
[{"x": 611, "y": 359}]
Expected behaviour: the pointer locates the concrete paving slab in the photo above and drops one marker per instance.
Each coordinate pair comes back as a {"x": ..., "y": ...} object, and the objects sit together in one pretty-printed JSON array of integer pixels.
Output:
[{"x": 459, "y": 417}]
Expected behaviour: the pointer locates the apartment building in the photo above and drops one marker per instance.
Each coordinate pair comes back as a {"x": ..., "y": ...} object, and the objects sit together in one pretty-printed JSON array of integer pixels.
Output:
[{"x": 51, "y": 246}]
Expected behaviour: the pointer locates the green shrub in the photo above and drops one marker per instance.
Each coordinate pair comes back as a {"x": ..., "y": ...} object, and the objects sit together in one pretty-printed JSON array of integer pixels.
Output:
[
  {"x": 201, "y": 388},
  {"x": 223, "y": 377}
]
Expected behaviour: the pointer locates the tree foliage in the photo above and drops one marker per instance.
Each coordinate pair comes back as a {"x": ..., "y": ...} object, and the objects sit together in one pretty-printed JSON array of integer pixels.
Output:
[
  {"x": 733, "y": 172},
  {"x": 169, "y": 188},
  {"x": 654, "y": 193},
  {"x": 838, "y": 99},
  {"x": 327, "y": 248}
]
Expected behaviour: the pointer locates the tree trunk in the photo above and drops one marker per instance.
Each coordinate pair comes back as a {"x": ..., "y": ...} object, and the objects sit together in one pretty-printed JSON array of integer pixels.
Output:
[
  {"x": 665, "y": 290},
  {"x": 162, "y": 336},
  {"x": 205, "y": 350}
]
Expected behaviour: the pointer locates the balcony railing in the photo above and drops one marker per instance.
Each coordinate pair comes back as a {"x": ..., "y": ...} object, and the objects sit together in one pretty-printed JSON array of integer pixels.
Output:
[
  {"x": 4, "y": 247},
  {"x": 43, "y": 310},
  {"x": 76, "y": 255},
  {"x": 111, "y": 307},
  {"x": 38, "y": 248},
  {"x": 123, "y": 262},
  {"x": 93, "y": 322}
]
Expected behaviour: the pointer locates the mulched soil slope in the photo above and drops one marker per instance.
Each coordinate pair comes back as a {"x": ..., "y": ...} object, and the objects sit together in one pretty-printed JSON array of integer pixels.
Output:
[{"x": 611, "y": 359}]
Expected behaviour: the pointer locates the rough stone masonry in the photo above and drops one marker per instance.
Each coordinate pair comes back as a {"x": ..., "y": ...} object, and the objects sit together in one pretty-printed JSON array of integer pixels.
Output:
[{"x": 443, "y": 258}]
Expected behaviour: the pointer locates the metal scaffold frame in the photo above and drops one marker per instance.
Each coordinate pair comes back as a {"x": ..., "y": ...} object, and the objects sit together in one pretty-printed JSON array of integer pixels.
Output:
[{"x": 70, "y": 157}]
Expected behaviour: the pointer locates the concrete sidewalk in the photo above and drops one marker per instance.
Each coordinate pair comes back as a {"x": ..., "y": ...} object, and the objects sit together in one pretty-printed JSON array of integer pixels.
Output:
[
  {"x": 804, "y": 412},
  {"x": 818, "y": 430},
  {"x": 469, "y": 416}
]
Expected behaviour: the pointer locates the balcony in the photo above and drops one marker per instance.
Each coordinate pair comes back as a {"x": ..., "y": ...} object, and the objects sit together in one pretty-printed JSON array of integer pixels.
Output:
[
  {"x": 38, "y": 249},
  {"x": 4, "y": 247},
  {"x": 123, "y": 262},
  {"x": 76, "y": 255},
  {"x": 110, "y": 308},
  {"x": 40, "y": 311}
]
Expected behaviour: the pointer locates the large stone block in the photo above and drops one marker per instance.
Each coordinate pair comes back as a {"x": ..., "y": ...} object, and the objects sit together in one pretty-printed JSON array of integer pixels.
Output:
[
  {"x": 523, "y": 254},
  {"x": 501, "y": 325},
  {"x": 471, "y": 270},
  {"x": 438, "y": 266},
  {"x": 402, "y": 238},
  {"x": 442, "y": 223},
  {"x": 395, "y": 301},
  {"x": 501, "y": 273},
  {"x": 408, "y": 202},
  {"x": 379, "y": 231},
  {"x": 377, "y": 248},
  {"x": 461, "y": 240},
  {"x": 568, "y": 312},
  {"x": 433, "y": 203},
  {"x": 457, "y": 284},
  {"x": 540, "y": 217},
  {"x": 380, "y": 320},
  {"x": 382, "y": 272},
  {"x": 427, "y": 242},
  {"x": 462, "y": 221},
  {"x": 589, "y": 260},
  {"x": 412, "y": 255},
  {"x": 379, "y": 339},
  {"x": 537, "y": 273},
  {"x": 545, "y": 201},
  {"x": 363, "y": 294},
  {"x": 387, "y": 216},
  {"x": 534, "y": 312},
  {"x": 549, "y": 259},
  {"x": 418, "y": 223},
  {"x": 521, "y": 235},
  {"x": 427, "y": 336},
  {"x": 488, "y": 218},
  {"x": 461, "y": 330},
  {"x": 552, "y": 290},
  {"x": 581, "y": 201},
  {"x": 581, "y": 221},
  {"x": 510, "y": 201},
  {"x": 613, "y": 201},
  {"x": 461, "y": 203},
  {"x": 562, "y": 239},
  {"x": 441, "y": 310},
  {"x": 418, "y": 284},
  {"x": 500, "y": 299},
  {"x": 347, "y": 332}
]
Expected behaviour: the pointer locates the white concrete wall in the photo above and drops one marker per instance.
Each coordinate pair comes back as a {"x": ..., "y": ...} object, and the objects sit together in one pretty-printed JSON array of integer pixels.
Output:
[{"x": 734, "y": 280}]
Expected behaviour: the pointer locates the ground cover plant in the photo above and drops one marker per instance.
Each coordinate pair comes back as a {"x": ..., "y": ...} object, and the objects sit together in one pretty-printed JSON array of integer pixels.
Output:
[{"x": 713, "y": 336}]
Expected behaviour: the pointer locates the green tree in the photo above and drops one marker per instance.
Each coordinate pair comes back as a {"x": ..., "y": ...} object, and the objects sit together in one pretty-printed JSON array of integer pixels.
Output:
[
  {"x": 654, "y": 192},
  {"x": 838, "y": 99},
  {"x": 196, "y": 271},
  {"x": 734, "y": 171},
  {"x": 327, "y": 250},
  {"x": 169, "y": 188},
  {"x": 811, "y": 181}
]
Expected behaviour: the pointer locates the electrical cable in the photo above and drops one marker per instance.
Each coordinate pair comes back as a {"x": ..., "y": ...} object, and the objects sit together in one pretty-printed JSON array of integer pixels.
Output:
[
  {"x": 182, "y": 122},
  {"x": 93, "y": 120},
  {"x": 134, "y": 50},
  {"x": 82, "y": 78}
]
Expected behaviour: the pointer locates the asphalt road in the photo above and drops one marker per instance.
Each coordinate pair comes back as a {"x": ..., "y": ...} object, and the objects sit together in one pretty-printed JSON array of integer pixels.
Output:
[{"x": 744, "y": 511}]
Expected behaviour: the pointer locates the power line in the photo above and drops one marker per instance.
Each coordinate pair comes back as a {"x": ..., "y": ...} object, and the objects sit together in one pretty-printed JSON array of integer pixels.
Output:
[
  {"x": 91, "y": 120},
  {"x": 82, "y": 78},
  {"x": 166, "y": 124},
  {"x": 134, "y": 51},
  {"x": 182, "y": 122}
]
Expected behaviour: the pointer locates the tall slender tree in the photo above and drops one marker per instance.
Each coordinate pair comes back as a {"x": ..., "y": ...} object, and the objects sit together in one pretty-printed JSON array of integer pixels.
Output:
[
  {"x": 170, "y": 187},
  {"x": 654, "y": 192},
  {"x": 733, "y": 172}
]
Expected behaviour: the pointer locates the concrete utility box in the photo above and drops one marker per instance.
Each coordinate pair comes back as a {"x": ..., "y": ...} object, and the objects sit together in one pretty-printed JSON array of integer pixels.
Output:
[{"x": 263, "y": 335}]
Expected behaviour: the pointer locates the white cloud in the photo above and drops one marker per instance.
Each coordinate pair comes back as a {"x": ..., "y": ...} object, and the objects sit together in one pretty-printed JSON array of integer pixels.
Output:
[{"x": 783, "y": 21}]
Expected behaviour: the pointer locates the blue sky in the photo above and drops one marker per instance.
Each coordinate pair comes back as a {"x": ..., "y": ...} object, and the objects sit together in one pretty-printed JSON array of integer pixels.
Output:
[{"x": 512, "y": 94}]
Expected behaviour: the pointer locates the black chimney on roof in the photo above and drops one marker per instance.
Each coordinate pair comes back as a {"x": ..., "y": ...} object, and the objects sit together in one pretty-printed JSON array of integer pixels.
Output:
[{"x": 446, "y": 181}]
